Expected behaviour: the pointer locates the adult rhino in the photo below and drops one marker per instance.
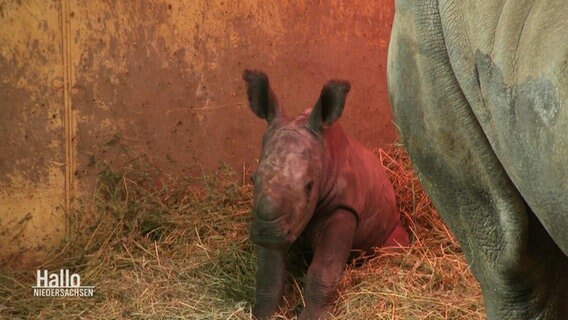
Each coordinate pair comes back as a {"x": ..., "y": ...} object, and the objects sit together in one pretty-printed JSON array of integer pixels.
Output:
[{"x": 480, "y": 93}]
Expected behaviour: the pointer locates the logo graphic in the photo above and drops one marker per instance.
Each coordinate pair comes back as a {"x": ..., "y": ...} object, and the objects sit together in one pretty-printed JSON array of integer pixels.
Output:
[{"x": 60, "y": 284}]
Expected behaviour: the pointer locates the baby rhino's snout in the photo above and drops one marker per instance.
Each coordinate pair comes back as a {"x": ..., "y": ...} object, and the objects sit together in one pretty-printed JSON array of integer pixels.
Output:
[
  {"x": 268, "y": 228},
  {"x": 266, "y": 208}
]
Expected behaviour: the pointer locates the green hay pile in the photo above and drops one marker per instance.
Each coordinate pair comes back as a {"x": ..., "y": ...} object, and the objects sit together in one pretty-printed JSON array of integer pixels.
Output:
[{"x": 178, "y": 248}]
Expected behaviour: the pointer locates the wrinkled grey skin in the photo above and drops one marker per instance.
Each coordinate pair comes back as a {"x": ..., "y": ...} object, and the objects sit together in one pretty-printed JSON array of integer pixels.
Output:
[
  {"x": 316, "y": 185},
  {"x": 479, "y": 91}
]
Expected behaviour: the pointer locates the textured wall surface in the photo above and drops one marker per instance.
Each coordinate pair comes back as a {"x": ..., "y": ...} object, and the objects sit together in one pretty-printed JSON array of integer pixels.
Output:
[
  {"x": 32, "y": 148},
  {"x": 164, "y": 79}
]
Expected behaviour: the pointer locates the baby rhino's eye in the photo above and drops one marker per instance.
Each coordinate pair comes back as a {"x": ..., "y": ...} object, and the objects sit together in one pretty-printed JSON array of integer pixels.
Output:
[{"x": 308, "y": 187}]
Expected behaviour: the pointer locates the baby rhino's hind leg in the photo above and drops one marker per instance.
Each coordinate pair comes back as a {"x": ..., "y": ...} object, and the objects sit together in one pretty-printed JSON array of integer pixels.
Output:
[{"x": 398, "y": 237}]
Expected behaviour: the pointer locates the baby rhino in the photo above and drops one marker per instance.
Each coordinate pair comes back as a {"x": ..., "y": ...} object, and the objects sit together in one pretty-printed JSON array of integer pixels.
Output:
[{"x": 317, "y": 185}]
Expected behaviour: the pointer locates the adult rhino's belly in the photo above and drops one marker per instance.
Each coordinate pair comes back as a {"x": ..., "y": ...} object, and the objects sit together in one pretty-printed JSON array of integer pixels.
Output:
[{"x": 527, "y": 125}]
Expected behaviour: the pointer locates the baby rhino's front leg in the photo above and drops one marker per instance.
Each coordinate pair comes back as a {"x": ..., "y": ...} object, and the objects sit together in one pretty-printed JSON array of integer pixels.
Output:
[
  {"x": 270, "y": 276},
  {"x": 331, "y": 245}
]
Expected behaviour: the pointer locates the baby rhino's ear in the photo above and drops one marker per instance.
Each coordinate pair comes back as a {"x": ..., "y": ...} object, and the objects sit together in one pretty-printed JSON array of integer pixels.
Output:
[
  {"x": 262, "y": 100},
  {"x": 330, "y": 104}
]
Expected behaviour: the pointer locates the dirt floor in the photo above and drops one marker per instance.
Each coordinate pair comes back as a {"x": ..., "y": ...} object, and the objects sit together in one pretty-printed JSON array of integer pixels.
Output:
[{"x": 177, "y": 248}]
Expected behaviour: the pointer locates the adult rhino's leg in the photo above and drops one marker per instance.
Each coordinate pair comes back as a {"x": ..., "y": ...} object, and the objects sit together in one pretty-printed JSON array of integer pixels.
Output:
[
  {"x": 331, "y": 243},
  {"x": 270, "y": 277},
  {"x": 521, "y": 271}
]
